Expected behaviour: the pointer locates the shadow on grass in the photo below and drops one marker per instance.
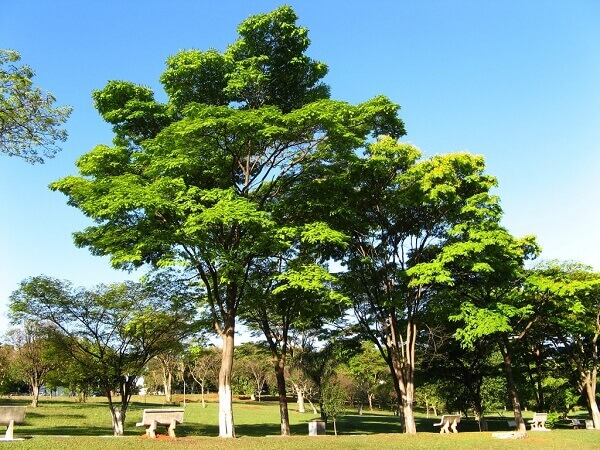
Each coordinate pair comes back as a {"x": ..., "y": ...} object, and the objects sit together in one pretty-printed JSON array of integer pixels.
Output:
[{"x": 68, "y": 431}]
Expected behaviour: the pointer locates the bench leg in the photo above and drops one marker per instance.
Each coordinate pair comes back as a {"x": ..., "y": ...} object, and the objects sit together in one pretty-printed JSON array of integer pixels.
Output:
[
  {"x": 454, "y": 430},
  {"x": 172, "y": 428},
  {"x": 151, "y": 431},
  {"x": 9, "y": 430}
]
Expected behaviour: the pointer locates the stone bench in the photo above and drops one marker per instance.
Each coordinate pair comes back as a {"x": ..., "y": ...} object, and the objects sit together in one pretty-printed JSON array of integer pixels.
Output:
[
  {"x": 168, "y": 418},
  {"x": 9, "y": 416},
  {"x": 538, "y": 423},
  {"x": 448, "y": 421},
  {"x": 577, "y": 423}
]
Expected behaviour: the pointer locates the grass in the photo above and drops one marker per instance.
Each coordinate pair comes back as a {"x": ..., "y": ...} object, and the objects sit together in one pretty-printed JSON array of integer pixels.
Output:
[{"x": 64, "y": 423}]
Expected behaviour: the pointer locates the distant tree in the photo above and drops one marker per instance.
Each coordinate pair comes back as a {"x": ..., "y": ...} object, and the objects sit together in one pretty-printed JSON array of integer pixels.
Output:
[
  {"x": 9, "y": 380},
  {"x": 203, "y": 364},
  {"x": 111, "y": 331},
  {"x": 288, "y": 296},
  {"x": 170, "y": 363},
  {"x": 369, "y": 371},
  {"x": 29, "y": 121},
  {"x": 32, "y": 355},
  {"x": 254, "y": 360}
]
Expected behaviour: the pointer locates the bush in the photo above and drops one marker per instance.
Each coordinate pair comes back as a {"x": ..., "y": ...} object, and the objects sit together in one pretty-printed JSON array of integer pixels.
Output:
[{"x": 552, "y": 420}]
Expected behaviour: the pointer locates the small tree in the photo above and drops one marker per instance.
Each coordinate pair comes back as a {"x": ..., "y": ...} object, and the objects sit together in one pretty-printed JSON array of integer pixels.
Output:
[
  {"x": 29, "y": 121},
  {"x": 32, "y": 355},
  {"x": 333, "y": 400},
  {"x": 203, "y": 363},
  {"x": 255, "y": 362}
]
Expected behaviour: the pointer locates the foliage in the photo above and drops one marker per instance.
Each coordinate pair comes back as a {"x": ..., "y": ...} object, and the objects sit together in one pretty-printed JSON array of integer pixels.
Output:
[
  {"x": 334, "y": 398},
  {"x": 29, "y": 121},
  {"x": 195, "y": 181},
  {"x": 32, "y": 358},
  {"x": 111, "y": 332}
]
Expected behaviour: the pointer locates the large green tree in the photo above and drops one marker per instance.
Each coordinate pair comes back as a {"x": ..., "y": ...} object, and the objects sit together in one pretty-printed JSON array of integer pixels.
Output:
[
  {"x": 190, "y": 181},
  {"x": 572, "y": 326},
  {"x": 111, "y": 332},
  {"x": 30, "y": 123},
  {"x": 484, "y": 276},
  {"x": 399, "y": 210}
]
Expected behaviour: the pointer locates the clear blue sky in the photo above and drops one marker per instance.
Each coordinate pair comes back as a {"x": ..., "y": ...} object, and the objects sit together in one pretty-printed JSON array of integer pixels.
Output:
[{"x": 516, "y": 81}]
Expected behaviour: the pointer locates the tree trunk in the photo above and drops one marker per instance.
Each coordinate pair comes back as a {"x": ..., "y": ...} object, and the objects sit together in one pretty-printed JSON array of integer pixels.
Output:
[
  {"x": 35, "y": 393},
  {"x": 167, "y": 384},
  {"x": 300, "y": 394},
  {"x": 226, "y": 426},
  {"x": 370, "y": 397},
  {"x": 202, "y": 396},
  {"x": 590, "y": 393},
  {"x": 283, "y": 406},
  {"x": 118, "y": 422},
  {"x": 117, "y": 415},
  {"x": 314, "y": 409},
  {"x": 539, "y": 376},
  {"x": 511, "y": 386},
  {"x": 403, "y": 360}
]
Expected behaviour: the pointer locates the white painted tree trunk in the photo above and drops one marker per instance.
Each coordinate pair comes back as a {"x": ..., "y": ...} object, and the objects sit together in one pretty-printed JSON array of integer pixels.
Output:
[
  {"x": 300, "y": 394},
  {"x": 226, "y": 425},
  {"x": 117, "y": 422}
]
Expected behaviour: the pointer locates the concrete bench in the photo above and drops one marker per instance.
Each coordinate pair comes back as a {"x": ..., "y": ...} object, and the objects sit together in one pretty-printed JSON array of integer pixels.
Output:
[
  {"x": 577, "y": 423},
  {"x": 448, "y": 421},
  {"x": 539, "y": 421},
  {"x": 168, "y": 418},
  {"x": 9, "y": 416}
]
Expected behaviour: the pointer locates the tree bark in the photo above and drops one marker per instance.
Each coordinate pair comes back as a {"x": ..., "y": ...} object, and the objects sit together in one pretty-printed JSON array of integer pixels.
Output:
[
  {"x": 226, "y": 425},
  {"x": 202, "y": 395},
  {"x": 511, "y": 386},
  {"x": 300, "y": 394},
  {"x": 167, "y": 384},
  {"x": 283, "y": 406},
  {"x": 35, "y": 393},
  {"x": 590, "y": 393},
  {"x": 539, "y": 376}
]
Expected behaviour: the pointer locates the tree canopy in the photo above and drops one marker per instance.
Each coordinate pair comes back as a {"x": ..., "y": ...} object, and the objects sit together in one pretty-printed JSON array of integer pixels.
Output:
[{"x": 30, "y": 123}]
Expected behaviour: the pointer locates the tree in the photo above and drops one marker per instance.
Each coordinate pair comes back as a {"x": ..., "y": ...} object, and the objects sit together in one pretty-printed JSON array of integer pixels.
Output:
[
  {"x": 333, "y": 399},
  {"x": 170, "y": 363},
  {"x": 110, "y": 331},
  {"x": 398, "y": 212},
  {"x": 204, "y": 366},
  {"x": 483, "y": 270},
  {"x": 573, "y": 326},
  {"x": 254, "y": 362},
  {"x": 29, "y": 121},
  {"x": 190, "y": 182},
  {"x": 294, "y": 298},
  {"x": 32, "y": 355},
  {"x": 368, "y": 370}
]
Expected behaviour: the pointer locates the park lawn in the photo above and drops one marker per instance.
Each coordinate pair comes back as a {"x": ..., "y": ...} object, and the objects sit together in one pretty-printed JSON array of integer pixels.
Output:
[{"x": 64, "y": 423}]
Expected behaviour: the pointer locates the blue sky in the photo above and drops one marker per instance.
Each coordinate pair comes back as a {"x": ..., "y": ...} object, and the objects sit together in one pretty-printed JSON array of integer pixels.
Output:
[{"x": 518, "y": 82}]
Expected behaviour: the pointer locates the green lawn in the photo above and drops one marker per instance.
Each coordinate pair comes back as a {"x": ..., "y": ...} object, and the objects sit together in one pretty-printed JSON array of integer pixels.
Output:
[{"x": 66, "y": 424}]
